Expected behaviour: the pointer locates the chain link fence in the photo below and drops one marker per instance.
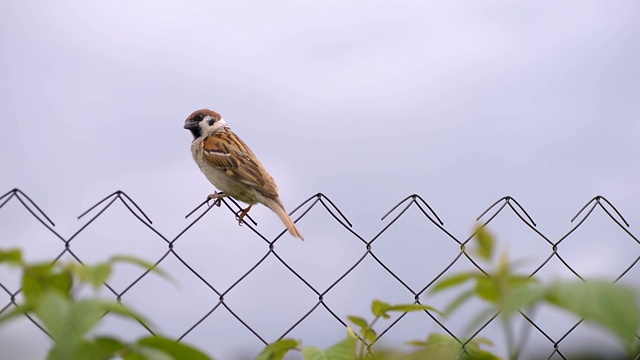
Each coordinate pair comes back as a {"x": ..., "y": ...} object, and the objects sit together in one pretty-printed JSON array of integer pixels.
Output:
[{"x": 554, "y": 348}]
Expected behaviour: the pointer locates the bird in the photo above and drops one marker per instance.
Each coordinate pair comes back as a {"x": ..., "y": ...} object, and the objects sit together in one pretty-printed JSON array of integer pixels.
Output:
[{"x": 229, "y": 164}]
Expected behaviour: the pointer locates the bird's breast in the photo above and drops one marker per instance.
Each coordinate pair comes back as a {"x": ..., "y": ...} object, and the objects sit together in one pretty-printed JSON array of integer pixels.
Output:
[{"x": 221, "y": 179}]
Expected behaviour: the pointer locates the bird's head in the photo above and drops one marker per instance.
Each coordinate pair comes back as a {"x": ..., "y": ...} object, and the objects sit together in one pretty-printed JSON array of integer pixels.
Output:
[{"x": 204, "y": 122}]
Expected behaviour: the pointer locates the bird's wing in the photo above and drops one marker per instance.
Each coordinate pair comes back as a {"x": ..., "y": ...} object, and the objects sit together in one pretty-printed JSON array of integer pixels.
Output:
[{"x": 227, "y": 152}]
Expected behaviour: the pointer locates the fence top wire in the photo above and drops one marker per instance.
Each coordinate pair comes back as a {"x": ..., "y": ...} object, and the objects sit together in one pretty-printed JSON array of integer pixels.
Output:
[{"x": 396, "y": 212}]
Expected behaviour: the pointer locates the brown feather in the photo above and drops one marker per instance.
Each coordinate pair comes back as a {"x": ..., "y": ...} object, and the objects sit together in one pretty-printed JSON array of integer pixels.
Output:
[
  {"x": 276, "y": 206},
  {"x": 227, "y": 152}
]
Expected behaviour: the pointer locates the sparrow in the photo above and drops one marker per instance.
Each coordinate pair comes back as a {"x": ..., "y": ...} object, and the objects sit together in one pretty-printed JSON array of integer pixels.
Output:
[{"x": 228, "y": 163}]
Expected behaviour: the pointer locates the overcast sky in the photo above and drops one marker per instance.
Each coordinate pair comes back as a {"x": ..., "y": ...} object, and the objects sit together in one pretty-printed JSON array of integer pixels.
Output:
[{"x": 365, "y": 101}]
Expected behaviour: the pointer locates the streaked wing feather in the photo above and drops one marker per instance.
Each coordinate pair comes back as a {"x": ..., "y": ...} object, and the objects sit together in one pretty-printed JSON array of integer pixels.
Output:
[{"x": 229, "y": 153}]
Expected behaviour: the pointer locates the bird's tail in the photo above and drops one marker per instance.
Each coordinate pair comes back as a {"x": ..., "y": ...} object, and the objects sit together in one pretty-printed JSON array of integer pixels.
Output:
[{"x": 278, "y": 208}]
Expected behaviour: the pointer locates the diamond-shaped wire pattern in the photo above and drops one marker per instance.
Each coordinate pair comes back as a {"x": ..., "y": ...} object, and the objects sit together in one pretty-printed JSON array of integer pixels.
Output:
[{"x": 319, "y": 294}]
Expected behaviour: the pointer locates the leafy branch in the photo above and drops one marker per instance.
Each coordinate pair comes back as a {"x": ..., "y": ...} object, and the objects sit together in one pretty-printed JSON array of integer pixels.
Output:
[
  {"x": 48, "y": 290},
  {"x": 613, "y": 307}
]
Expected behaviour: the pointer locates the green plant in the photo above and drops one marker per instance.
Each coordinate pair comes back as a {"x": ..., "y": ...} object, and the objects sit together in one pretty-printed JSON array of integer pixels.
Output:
[
  {"x": 612, "y": 306},
  {"x": 49, "y": 291},
  {"x": 506, "y": 292},
  {"x": 357, "y": 345}
]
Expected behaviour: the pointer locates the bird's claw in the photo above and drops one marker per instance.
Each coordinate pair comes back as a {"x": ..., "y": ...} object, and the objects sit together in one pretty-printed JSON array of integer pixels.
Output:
[
  {"x": 217, "y": 197},
  {"x": 240, "y": 214}
]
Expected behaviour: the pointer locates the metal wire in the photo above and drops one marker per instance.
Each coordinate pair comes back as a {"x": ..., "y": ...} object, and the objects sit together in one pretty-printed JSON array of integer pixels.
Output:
[{"x": 320, "y": 200}]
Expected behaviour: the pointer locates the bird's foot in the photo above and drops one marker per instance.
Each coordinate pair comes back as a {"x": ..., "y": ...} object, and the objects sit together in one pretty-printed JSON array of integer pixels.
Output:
[
  {"x": 242, "y": 213},
  {"x": 217, "y": 198}
]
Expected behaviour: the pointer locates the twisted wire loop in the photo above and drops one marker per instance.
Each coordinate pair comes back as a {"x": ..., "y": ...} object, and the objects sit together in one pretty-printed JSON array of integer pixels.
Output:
[{"x": 320, "y": 202}]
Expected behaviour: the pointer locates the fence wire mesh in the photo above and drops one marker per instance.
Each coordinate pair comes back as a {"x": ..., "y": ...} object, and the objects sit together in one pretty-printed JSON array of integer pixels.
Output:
[{"x": 554, "y": 250}]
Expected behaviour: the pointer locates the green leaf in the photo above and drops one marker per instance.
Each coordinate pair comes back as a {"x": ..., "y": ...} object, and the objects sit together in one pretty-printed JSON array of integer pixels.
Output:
[
  {"x": 96, "y": 275},
  {"x": 66, "y": 320},
  {"x": 54, "y": 310},
  {"x": 172, "y": 348},
  {"x": 459, "y": 300},
  {"x": 521, "y": 297},
  {"x": 369, "y": 334},
  {"x": 84, "y": 315},
  {"x": 479, "y": 354},
  {"x": 453, "y": 280},
  {"x": 481, "y": 341},
  {"x": 474, "y": 352},
  {"x": 121, "y": 310},
  {"x": 69, "y": 321},
  {"x": 313, "y": 353},
  {"x": 40, "y": 279},
  {"x": 413, "y": 307},
  {"x": 344, "y": 350},
  {"x": 611, "y": 306},
  {"x": 15, "y": 312},
  {"x": 102, "y": 348},
  {"x": 278, "y": 349},
  {"x": 440, "y": 346},
  {"x": 483, "y": 355},
  {"x": 445, "y": 347},
  {"x": 509, "y": 292},
  {"x": 141, "y": 263},
  {"x": 487, "y": 289},
  {"x": 380, "y": 308},
  {"x": 12, "y": 257},
  {"x": 485, "y": 243},
  {"x": 358, "y": 321},
  {"x": 138, "y": 352},
  {"x": 521, "y": 281}
]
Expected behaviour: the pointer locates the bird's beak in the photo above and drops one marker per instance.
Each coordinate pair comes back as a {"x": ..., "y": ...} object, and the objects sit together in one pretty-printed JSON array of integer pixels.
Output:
[{"x": 190, "y": 125}]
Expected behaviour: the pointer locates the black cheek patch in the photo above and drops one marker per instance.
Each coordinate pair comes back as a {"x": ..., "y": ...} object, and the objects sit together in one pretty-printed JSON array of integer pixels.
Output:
[
  {"x": 196, "y": 132},
  {"x": 212, "y": 121}
]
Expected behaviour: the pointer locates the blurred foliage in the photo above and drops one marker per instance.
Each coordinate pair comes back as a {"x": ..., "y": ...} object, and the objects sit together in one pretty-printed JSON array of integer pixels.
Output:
[
  {"x": 505, "y": 292},
  {"x": 613, "y": 307},
  {"x": 49, "y": 295},
  {"x": 49, "y": 288}
]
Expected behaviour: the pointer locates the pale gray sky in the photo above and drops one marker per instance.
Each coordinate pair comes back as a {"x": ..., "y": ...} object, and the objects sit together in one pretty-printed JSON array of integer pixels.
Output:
[{"x": 365, "y": 101}]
